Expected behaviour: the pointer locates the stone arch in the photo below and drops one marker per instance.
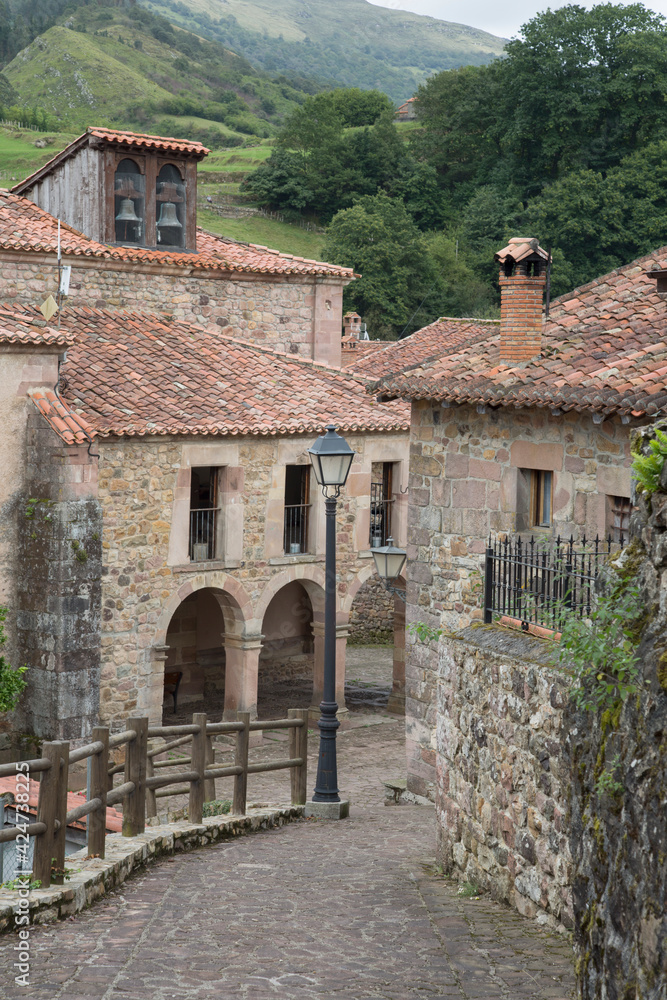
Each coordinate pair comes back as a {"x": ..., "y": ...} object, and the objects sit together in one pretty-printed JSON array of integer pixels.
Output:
[
  {"x": 366, "y": 624},
  {"x": 287, "y": 659},
  {"x": 204, "y": 632},
  {"x": 311, "y": 579}
]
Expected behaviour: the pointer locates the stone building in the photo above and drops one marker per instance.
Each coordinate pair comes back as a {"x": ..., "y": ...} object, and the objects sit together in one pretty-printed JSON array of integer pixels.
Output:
[
  {"x": 158, "y": 512},
  {"x": 518, "y": 428}
]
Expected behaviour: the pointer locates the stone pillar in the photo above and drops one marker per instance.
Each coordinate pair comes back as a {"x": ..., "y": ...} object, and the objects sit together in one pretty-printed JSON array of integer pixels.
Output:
[
  {"x": 241, "y": 672},
  {"x": 396, "y": 703},
  {"x": 154, "y": 697}
]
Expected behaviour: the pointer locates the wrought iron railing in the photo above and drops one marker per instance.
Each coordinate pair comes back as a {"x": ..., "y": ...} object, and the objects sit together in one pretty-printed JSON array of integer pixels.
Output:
[
  {"x": 203, "y": 531},
  {"x": 380, "y": 529},
  {"x": 540, "y": 582},
  {"x": 296, "y": 528}
]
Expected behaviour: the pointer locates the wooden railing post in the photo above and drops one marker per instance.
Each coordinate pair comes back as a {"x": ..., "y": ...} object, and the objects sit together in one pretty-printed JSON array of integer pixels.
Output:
[
  {"x": 151, "y": 801},
  {"x": 298, "y": 747},
  {"x": 52, "y": 811},
  {"x": 241, "y": 760},
  {"x": 198, "y": 764},
  {"x": 98, "y": 780},
  {"x": 134, "y": 806},
  {"x": 209, "y": 783}
]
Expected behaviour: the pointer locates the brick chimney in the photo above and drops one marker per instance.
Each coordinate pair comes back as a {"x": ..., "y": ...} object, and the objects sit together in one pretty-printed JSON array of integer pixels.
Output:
[
  {"x": 352, "y": 325},
  {"x": 523, "y": 267}
]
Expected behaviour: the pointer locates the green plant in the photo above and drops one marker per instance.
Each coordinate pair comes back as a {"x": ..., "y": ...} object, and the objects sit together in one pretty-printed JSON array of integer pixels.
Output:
[
  {"x": 469, "y": 890},
  {"x": 79, "y": 552},
  {"x": 35, "y": 504},
  {"x": 607, "y": 782},
  {"x": 599, "y": 653},
  {"x": 216, "y": 807},
  {"x": 62, "y": 873},
  {"x": 647, "y": 465},
  {"x": 11, "y": 678},
  {"x": 424, "y": 632},
  {"x": 15, "y": 884}
]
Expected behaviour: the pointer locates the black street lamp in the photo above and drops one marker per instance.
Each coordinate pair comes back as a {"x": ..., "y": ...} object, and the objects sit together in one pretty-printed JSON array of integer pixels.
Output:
[
  {"x": 389, "y": 561},
  {"x": 332, "y": 457}
]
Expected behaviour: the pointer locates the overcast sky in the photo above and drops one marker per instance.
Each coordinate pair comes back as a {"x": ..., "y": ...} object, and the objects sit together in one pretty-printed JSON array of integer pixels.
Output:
[{"x": 498, "y": 18}]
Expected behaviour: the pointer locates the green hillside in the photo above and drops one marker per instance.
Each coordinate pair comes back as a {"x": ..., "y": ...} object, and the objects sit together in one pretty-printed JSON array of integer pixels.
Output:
[
  {"x": 349, "y": 41},
  {"x": 131, "y": 68}
]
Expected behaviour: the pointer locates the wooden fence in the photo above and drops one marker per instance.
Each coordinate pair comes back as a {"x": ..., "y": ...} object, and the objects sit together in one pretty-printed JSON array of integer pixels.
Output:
[{"x": 141, "y": 786}]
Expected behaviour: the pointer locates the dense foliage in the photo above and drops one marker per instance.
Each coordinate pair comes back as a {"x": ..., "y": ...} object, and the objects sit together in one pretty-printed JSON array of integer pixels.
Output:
[{"x": 565, "y": 137}]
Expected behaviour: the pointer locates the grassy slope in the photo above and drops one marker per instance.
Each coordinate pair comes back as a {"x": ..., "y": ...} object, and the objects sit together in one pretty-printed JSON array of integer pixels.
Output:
[
  {"x": 267, "y": 232},
  {"x": 19, "y": 156},
  {"x": 351, "y": 41}
]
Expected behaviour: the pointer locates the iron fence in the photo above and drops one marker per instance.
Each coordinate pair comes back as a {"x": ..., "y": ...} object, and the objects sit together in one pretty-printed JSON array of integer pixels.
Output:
[
  {"x": 538, "y": 582},
  {"x": 203, "y": 529},
  {"x": 296, "y": 528},
  {"x": 380, "y": 529}
]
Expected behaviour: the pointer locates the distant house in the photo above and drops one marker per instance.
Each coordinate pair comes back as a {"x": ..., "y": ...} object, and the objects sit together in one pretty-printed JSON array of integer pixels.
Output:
[
  {"x": 407, "y": 112},
  {"x": 159, "y": 512}
]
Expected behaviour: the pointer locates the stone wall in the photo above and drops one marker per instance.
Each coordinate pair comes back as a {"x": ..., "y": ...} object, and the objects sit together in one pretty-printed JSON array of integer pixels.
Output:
[
  {"x": 465, "y": 485},
  {"x": 619, "y": 836},
  {"x": 294, "y": 314},
  {"x": 57, "y": 624},
  {"x": 372, "y": 615},
  {"x": 503, "y": 771}
]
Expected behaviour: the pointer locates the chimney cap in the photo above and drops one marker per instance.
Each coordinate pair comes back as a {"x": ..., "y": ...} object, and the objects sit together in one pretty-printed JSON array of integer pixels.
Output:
[{"x": 522, "y": 248}]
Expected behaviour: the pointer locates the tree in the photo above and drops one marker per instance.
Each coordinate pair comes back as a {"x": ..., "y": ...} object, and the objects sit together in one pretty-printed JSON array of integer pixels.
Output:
[{"x": 378, "y": 238}]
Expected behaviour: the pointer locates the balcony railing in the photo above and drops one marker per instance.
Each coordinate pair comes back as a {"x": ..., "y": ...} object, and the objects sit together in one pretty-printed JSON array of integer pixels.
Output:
[
  {"x": 380, "y": 529},
  {"x": 296, "y": 528},
  {"x": 540, "y": 582},
  {"x": 203, "y": 531}
]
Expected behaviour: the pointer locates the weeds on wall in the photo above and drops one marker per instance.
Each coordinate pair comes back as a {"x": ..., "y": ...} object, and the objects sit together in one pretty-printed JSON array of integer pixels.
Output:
[
  {"x": 12, "y": 682},
  {"x": 649, "y": 460}
]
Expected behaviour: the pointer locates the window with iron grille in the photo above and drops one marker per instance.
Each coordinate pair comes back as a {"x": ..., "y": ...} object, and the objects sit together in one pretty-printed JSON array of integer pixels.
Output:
[
  {"x": 381, "y": 503},
  {"x": 619, "y": 510},
  {"x": 297, "y": 508},
  {"x": 204, "y": 514}
]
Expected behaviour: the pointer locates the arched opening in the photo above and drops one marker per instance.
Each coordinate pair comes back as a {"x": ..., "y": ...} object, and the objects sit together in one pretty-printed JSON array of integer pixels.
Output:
[
  {"x": 129, "y": 203},
  {"x": 196, "y": 650},
  {"x": 375, "y": 658},
  {"x": 286, "y": 662},
  {"x": 170, "y": 207}
]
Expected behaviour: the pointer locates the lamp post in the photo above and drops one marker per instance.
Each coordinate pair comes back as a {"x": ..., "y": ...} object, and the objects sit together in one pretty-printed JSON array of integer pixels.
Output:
[
  {"x": 331, "y": 457},
  {"x": 389, "y": 561}
]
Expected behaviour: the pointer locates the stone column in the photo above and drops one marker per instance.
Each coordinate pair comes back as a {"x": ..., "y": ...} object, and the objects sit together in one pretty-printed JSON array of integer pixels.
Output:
[
  {"x": 241, "y": 673},
  {"x": 396, "y": 704},
  {"x": 154, "y": 695}
]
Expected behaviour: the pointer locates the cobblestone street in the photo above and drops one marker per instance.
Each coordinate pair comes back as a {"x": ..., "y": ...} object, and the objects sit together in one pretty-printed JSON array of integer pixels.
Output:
[{"x": 347, "y": 910}]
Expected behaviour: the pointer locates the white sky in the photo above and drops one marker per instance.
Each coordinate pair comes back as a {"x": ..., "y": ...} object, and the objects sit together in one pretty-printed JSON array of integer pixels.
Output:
[{"x": 498, "y": 18}]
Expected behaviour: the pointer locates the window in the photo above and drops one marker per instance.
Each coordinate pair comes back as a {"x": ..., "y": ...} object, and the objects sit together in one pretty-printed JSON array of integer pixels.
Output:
[
  {"x": 297, "y": 506},
  {"x": 170, "y": 207},
  {"x": 619, "y": 510},
  {"x": 204, "y": 514},
  {"x": 381, "y": 503},
  {"x": 129, "y": 203},
  {"x": 534, "y": 499}
]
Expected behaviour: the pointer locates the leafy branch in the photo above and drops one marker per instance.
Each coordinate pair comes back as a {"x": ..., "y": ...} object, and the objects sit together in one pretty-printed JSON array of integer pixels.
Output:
[
  {"x": 12, "y": 682},
  {"x": 648, "y": 465}
]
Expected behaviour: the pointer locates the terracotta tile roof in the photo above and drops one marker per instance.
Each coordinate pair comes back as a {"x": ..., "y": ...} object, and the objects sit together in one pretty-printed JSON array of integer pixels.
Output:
[
  {"x": 68, "y": 424},
  {"x": 114, "y": 822},
  {"x": 520, "y": 247},
  {"x": 133, "y": 374},
  {"x": 25, "y": 227},
  {"x": 114, "y": 137},
  {"x": 122, "y": 137},
  {"x": 17, "y": 328},
  {"x": 424, "y": 345},
  {"x": 353, "y": 351},
  {"x": 605, "y": 349}
]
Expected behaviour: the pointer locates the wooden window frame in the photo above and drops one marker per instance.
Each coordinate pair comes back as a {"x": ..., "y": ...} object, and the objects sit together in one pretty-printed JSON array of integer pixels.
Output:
[{"x": 541, "y": 498}]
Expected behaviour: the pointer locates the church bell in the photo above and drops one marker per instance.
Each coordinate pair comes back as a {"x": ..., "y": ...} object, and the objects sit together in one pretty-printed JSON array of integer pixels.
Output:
[
  {"x": 168, "y": 215},
  {"x": 127, "y": 213}
]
